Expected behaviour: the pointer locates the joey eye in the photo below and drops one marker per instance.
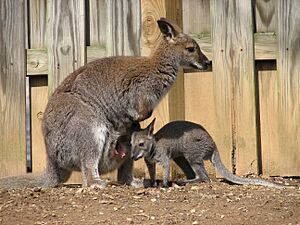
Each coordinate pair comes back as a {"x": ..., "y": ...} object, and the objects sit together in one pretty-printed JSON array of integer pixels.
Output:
[
  {"x": 191, "y": 49},
  {"x": 141, "y": 144}
]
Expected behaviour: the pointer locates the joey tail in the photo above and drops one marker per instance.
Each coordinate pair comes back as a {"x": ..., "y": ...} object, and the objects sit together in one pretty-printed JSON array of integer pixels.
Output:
[{"x": 216, "y": 161}]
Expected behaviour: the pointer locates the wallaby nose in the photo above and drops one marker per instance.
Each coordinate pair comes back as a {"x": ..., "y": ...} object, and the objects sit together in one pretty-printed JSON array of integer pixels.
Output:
[{"x": 206, "y": 64}]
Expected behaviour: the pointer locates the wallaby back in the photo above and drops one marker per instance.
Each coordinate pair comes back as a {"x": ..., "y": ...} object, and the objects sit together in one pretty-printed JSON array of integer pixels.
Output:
[{"x": 191, "y": 141}]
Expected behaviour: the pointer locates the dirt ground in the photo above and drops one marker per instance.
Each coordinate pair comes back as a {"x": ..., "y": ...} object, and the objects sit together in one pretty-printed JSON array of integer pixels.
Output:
[{"x": 213, "y": 203}]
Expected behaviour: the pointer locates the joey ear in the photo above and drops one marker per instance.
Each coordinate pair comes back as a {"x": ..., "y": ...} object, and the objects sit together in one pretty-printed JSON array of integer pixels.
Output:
[
  {"x": 150, "y": 127},
  {"x": 168, "y": 28}
]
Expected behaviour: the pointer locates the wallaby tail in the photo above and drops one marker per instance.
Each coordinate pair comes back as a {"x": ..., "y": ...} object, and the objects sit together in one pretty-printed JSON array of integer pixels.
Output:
[
  {"x": 216, "y": 161},
  {"x": 51, "y": 177},
  {"x": 23, "y": 181}
]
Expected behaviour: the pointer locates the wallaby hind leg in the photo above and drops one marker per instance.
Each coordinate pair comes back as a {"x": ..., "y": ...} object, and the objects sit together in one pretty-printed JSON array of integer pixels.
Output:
[
  {"x": 96, "y": 180},
  {"x": 201, "y": 174},
  {"x": 85, "y": 176},
  {"x": 185, "y": 167},
  {"x": 55, "y": 175}
]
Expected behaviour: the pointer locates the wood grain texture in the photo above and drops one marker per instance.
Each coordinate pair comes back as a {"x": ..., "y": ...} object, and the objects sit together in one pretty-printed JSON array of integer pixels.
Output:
[
  {"x": 66, "y": 33},
  {"x": 39, "y": 99},
  {"x": 172, "y": 105},
  {"x": 38, "y": 24},
  {"x": 268, "y": 99},
  {"x": 199, "y": 104},
  {"x": 196, "y": 16},
  {"x": 115, "y": 25},
  {"x": 233, "y": 75},
  {"x": 288, "y": 87},
  {"x": 12, "y": 88},
  {"x": 151, "y": 11},
  {"x": 37, "y": 61},
  {"x": 265, "y": 15},
  {"x": 66, "y": 45},
  {"x": 265, "y": 49}
]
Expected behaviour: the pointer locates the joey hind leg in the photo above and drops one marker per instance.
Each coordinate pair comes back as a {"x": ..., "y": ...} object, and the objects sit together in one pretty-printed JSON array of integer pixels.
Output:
[
  {"x": 201, "y": 174},
  {"x": 185, "y": 166}
]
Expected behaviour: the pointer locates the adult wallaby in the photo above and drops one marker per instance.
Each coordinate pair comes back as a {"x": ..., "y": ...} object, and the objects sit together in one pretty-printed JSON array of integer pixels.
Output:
[
  {"x": 100, "y": 101},
  {"x": 188, "y": 144}
]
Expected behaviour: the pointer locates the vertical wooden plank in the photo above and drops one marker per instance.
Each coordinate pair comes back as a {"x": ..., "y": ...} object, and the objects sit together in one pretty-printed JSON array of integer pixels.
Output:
[
  {"x": 233, "y": 74},
  {"x": 199, "y": 104},
  {"x": 66, "y": 33},
  {"x": 39, "y": 98},
  {"x": 151, "y": 11},
  {"x": 38, "y": 84},
  {"x": 176, "y": 94},
  {"x": 176, "y": 98},
  {"x": 172, "y": 106},
  {"x": 196, "y": 16},
  {"x": 12, "y": 88},
  {"x": 268, "y": 99},
  {"x": 198, "y": 87},
  {"x": 66, "y": 45},
  {"x": 38, "y": 23},
  {"x": 265, "y": 15},
  {"x": 287, "y": 155},
  {"x": 115, "y": 26}
]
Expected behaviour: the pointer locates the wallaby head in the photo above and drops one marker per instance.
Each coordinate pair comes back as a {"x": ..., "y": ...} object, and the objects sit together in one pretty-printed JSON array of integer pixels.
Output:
[
  {"x": 183, "y": 46},
  {"x": 143, "y": 142}
]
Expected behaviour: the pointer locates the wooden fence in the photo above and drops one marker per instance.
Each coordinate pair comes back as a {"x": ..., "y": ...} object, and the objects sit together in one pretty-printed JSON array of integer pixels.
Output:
[{"x": 249, "y": 102}]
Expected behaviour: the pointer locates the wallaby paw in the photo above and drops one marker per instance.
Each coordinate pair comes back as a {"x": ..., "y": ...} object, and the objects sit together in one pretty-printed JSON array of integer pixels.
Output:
[
  {"x": 98, "y": 184},
  {"x": 137, "y": 183},
  {"x": 148, "y": 183}
]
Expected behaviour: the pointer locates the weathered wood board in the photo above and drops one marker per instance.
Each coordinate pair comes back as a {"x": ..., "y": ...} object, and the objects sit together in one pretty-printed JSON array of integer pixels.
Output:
[
  {"x": 39, "y": 98},
  {"x": 115, "y": 26},
  {"x": 199, "y": 104},
  {"x": 234, "y": 90},
  {"x": 66, "y": 35},
  {"x": 12, "y": 88},
  {"x": 281, "y": 100}
]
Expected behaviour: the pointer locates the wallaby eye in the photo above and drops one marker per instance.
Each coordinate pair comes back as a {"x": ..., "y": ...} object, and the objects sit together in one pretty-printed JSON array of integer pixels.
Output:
[
  {"x": 141, "y": 144},
  {"x": 191, "y": 49}
]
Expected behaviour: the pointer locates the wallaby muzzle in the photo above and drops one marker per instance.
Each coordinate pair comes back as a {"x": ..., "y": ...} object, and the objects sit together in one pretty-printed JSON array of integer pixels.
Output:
[{"x": 135, "y": 155}]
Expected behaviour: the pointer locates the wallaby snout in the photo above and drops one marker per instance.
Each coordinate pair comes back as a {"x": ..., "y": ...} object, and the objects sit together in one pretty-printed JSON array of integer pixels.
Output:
[
  {"x": 204, "y": 62},
  {"x": 135, "y": 155}
]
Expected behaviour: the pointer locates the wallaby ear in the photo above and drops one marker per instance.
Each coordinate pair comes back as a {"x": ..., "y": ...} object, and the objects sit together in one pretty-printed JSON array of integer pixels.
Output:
[
  {"x": 150, "y": 127},
  {"x": 168, "y": 28}
]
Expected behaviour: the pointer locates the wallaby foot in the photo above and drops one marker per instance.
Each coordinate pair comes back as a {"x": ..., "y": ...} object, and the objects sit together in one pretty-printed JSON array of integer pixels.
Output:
[
  {"x": 149, "y": 183},
  {"x": 195, "y": 180},
  {"x": 137, "y": 183},
  {"x": 99, "y": 184}
]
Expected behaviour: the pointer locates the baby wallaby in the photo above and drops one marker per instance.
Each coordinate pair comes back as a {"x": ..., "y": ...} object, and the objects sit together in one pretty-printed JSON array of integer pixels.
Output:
[
  {"x": 99, "y": 102},
  {"x": 188, "y": 144}
]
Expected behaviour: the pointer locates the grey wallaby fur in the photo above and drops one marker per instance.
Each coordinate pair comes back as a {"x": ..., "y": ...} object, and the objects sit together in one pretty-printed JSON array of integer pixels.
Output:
[
  {"x": 189, "y": 144},
  {"x": 101, "y": 102}
]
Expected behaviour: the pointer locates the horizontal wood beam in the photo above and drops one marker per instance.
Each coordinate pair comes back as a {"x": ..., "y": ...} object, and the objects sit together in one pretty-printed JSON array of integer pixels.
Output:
[
  {"x": 264, "y": 44},
  {"x": 37, "y": 59}
]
